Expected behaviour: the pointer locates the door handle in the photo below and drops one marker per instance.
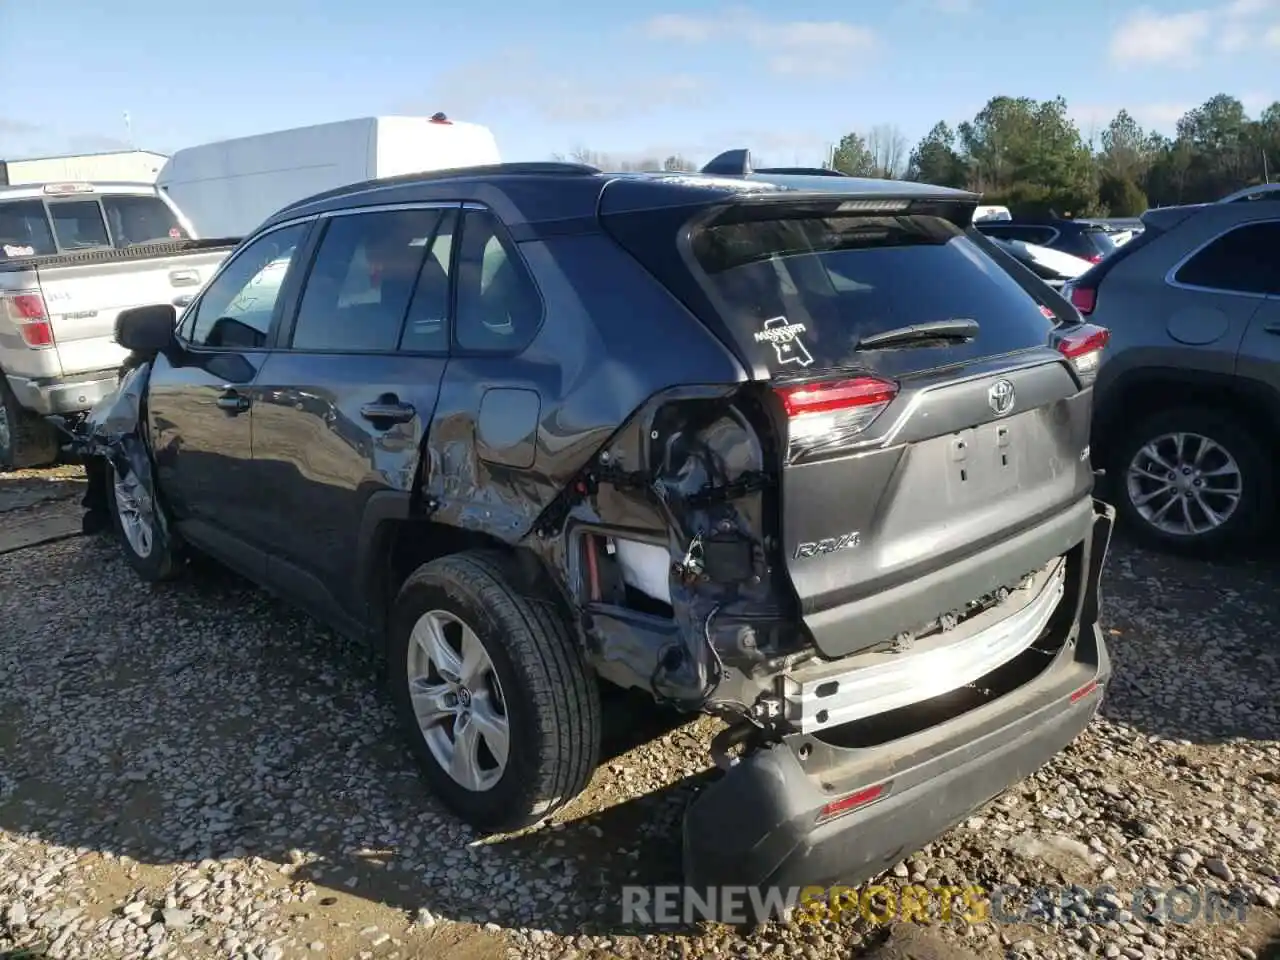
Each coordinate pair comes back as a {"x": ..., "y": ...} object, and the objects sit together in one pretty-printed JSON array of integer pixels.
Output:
[
  {"x": 183, "y": 300},
  {"x": 1273, "y": 328},
  {"x": 232, "y": 403},
  {"x": 388, "y": 410}
]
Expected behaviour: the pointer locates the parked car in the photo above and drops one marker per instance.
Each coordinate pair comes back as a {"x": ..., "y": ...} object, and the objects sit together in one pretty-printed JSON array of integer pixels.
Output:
[
  {"x": 1052, "y": 266},
  {"x": 806, "y": 453},
  {"x": 1080, "y": 238},
  {"x": 72, "y": 256},
  {"x": 1187, "y": 414}
]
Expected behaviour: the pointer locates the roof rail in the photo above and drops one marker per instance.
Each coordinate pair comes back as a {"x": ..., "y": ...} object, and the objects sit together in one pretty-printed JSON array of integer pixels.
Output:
[
  {"x": 528, "y": 168},
  {"x": 1259, "y": 191}
]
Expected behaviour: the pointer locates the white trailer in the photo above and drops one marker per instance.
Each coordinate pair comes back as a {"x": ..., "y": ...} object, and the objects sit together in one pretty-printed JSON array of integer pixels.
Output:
[{"x": 229, "y": 187}]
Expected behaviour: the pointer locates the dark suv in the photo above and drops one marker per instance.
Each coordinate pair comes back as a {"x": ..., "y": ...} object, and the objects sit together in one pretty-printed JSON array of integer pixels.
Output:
[
  {"x": 810, "y": 455},
  {"x": 1080, "y": 238}
]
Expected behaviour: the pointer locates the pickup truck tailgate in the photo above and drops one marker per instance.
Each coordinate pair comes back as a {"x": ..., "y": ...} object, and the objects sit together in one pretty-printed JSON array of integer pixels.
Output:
[{"x": 84, "y": 299}]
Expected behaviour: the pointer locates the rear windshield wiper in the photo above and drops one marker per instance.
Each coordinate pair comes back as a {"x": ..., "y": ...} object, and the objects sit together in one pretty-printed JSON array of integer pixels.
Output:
[{"x": 921, "y": 334}]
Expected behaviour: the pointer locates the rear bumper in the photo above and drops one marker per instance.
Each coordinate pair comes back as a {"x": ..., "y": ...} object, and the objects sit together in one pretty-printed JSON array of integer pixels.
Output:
[
  {"x": 757, "y": 826},
  {"x": 53, "y": 395}
]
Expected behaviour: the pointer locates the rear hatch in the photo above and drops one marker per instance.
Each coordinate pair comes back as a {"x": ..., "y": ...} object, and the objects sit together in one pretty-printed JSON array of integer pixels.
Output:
[
  {"x": 936, "y": 423},
  {"x": 83, "y": 299}
]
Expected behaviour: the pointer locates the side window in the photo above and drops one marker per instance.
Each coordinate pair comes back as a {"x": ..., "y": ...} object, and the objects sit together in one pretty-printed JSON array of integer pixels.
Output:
[
  {"x": 1039, "y": 235},
  {"x": 237, "y": 307},
  {"x": 364, "y": 275},
  {"x": 1245, "y": 260},
  {"x": 426, "y": 328},
  {"x": 499, "y": 308}
]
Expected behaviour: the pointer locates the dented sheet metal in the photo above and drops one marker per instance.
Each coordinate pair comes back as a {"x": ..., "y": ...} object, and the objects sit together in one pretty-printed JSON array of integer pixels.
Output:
[{"x": 111, "y": 433}]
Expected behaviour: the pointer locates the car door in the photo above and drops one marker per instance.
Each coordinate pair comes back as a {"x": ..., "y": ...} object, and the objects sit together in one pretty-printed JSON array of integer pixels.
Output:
[
  {"x": 1259, "y": 357},
  {"x": 341, "y": 409},
  {"x": 199, "y": 408}
]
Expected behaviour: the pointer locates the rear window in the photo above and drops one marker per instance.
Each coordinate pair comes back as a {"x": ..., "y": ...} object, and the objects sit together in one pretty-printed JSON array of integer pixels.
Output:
[
  {"x": 24, "y": 230},
  {"x": 36, "y": 228},
  {"x": 1100, "y": 240},
  {"x": 804, "y": 291},
  {"x": 135, "y": 220}
]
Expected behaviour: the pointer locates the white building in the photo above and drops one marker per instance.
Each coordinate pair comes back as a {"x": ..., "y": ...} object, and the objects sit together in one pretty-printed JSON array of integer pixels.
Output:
[{"x": 132, "y": 166}]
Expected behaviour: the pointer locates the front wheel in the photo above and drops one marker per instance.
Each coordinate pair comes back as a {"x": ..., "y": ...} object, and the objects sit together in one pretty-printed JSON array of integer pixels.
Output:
[
  {"x": 493, "y": 692},
  {"x": 1192, "y": 479},
  {"x": 141, "y": 525}
]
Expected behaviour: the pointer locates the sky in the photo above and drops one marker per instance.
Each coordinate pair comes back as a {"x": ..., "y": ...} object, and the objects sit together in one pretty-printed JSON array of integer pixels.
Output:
[{"x": 692, "y": 77}]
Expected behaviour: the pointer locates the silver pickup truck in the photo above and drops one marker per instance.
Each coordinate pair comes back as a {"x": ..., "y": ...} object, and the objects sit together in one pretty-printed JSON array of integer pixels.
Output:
[{"x": 72, "y": 256}]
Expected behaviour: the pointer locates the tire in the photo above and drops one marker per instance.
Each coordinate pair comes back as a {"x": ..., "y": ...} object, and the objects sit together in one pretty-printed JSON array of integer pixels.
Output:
[
  {"x": 1252, "y": 513},
  {"x": 159, "y": 559},
  {"x": 544, "y": 692},
  {"x": 26, "y": 440}
]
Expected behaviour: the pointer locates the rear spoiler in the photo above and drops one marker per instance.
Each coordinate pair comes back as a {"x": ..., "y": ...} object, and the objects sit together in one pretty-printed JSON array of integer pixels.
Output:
[
  {"x": 737, "y": 163},
  {"x": 141, "y": 251}
]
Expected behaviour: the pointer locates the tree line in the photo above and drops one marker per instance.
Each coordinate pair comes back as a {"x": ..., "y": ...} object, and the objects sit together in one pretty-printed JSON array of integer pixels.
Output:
[
  {"x": 1024, "y": 153},
  {"x": 1029, "y": 154}
]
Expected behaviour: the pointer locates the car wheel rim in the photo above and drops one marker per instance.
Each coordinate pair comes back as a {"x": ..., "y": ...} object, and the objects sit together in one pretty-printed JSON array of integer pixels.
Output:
[
  {"x": 1184, "y": 484},
  {"x": 457, "y": 700},
  {"x": 5, "y": 436},
  {"x": 137, "y": 514}
]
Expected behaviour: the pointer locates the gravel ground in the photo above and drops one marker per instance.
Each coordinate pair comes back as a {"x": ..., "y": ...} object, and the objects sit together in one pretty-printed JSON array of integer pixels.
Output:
[{"x": 197, "y": 771}]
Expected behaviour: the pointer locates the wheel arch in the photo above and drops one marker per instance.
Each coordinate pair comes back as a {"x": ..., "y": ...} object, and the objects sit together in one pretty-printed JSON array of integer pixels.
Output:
[
  {"x": 1145, "y": 390},
  {"x": 395, "y": 539}
]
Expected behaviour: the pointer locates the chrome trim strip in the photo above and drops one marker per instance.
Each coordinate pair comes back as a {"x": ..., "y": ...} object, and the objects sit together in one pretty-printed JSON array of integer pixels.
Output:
[{"x": 899, "y": 680}]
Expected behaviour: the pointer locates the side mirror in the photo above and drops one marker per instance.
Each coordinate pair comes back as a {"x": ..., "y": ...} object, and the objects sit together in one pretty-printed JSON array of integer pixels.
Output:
[{"x": 147, "y": 330}]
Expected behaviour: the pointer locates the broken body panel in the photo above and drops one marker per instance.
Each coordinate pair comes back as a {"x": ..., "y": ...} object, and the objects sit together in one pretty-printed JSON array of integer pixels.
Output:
[{"x": 824, "y": 462}]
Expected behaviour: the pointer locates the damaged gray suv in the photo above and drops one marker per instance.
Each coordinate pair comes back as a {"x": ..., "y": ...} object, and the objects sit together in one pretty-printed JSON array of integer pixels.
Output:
[{"x": 807, "y": 453}]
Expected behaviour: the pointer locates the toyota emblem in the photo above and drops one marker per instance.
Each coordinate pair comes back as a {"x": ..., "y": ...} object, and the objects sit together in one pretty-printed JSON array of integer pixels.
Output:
[{"x": 1000, "y": 397}]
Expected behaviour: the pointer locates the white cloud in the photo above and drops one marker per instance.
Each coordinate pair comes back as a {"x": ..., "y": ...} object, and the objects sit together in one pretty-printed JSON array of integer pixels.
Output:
[
  {"x": 1149, "y": 37},
  {"x": 791, "y": 47},
  {"x": 1272, "y": 37},
  {"x": 954, "y": 6}
]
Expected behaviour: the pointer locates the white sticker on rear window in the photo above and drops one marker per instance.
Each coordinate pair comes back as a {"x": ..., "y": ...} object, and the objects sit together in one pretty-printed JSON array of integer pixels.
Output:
[
  {"x": 786, "y": 341},
  {"x": 11, "y": 251}
]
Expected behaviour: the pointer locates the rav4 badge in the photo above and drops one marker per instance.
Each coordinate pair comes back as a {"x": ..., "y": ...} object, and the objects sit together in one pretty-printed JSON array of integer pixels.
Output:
[{"x": 829, "y": 545}]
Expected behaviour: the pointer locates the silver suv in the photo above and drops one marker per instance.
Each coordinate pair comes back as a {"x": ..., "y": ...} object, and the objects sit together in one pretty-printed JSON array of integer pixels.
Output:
[{"x": 1187, "y": 402}]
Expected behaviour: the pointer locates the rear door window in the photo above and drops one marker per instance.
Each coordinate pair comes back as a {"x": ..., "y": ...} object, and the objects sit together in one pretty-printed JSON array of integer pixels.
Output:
[
  {"x": 25, "y": 230},
  {"x": 358, "y": 291},
  {"x": 1243, "y": 260},
  {"x": 78, "y": 224},
  {"x": 803, "y": 292}
]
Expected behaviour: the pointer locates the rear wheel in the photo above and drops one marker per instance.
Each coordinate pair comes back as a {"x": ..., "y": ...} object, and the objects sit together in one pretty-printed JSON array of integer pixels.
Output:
[
  {"x": 1192, "y": 479},
  {"x": 26, "y": 440},
  {"x": 493, "y": 692}
]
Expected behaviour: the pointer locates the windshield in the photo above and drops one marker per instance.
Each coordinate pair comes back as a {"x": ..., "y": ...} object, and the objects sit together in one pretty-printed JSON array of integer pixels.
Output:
[
  {"x": 808, "y": 290},
  {"x": 24, "y": 230},
  {"x": 36, "y": 228}
]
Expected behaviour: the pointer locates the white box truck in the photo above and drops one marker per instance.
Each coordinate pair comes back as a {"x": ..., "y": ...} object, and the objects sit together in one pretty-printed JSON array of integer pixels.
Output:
[{"x": 229, "y": 187}]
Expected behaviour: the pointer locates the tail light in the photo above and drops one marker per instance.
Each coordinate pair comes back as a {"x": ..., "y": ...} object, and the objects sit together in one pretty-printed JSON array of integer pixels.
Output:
[
  {"x": 1084, "y": 299},
  {"x": 829, "y": 414},
  {"x": 26, "y": 311},
  {"x": 1083, "y": 346},
  {"x": 1094, "y": 258}
]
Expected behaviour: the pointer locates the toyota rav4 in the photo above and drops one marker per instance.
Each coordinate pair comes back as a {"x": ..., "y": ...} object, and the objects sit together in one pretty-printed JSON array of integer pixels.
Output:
[{"x": 807, "y": 453}]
